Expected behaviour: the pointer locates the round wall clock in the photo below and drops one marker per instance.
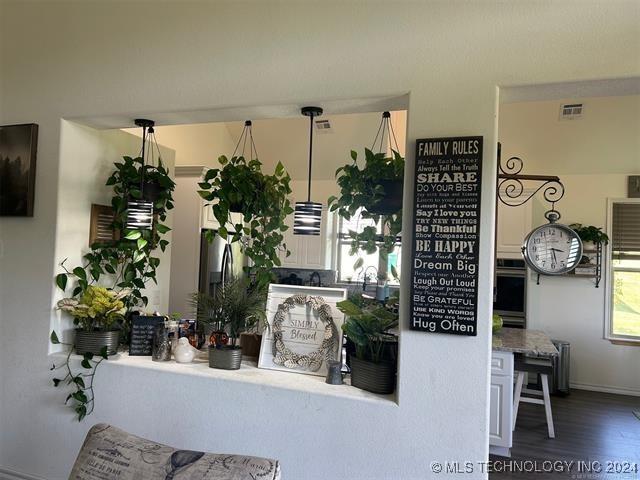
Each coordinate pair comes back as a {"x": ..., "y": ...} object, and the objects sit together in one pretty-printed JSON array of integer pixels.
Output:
[{"x": 552, "y": 249}]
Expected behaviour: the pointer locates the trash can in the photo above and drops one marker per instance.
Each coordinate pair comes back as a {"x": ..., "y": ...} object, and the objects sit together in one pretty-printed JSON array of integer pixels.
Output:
[{"x": 560, "y": 384}]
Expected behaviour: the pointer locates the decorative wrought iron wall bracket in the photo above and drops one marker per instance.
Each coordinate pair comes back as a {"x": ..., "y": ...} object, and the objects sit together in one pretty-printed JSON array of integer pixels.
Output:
[{"x": 511, "y": 185}]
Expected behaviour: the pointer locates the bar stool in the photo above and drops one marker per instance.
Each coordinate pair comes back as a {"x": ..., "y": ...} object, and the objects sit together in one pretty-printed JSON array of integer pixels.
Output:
[{"x": 537, "y": 366}]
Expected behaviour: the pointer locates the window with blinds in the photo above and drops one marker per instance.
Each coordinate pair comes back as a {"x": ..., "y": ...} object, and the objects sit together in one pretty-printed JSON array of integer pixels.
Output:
[
  {"x": 346, "y": 261},
  {"x": 625, "y": 233},
  {"x": 625, "y": 270}
]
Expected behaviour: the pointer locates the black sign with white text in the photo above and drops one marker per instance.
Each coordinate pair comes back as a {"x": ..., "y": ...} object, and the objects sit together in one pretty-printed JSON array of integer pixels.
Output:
[
  {"x": 142, "y": 330},
  {"x": 444, "y": 273}
]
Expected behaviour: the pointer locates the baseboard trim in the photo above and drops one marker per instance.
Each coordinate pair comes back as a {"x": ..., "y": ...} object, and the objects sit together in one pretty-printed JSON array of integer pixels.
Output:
[
  {"x": 606, "y": 389},
  {"x": 9, "y": 474}
]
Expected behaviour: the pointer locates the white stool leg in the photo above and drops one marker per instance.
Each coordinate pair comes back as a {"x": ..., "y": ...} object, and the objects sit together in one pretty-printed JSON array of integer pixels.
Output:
[
  {"x": 516, "y": 397},
  {"x": 547, "y": 404}
]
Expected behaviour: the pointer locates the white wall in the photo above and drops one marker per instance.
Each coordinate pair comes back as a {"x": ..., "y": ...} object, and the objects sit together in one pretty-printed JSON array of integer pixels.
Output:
[
  {"x": 87, "y": 156},
  {"x": 606, "y": 139},
  {"x": 195, "y": 144},
  {"x": 283, "y": 140},
  {"x": 286, "y": 140},
  {"x": 593, "y": 157},
  {"x": 74, "y": 60}
]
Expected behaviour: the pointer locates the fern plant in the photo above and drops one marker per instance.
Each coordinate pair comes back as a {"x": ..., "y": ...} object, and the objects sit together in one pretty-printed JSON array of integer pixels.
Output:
[{"x": 236, "y": 308}]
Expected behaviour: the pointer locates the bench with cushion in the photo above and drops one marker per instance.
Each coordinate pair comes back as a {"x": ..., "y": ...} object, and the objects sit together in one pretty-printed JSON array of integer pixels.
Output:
[{"x": 109, "y": 453}]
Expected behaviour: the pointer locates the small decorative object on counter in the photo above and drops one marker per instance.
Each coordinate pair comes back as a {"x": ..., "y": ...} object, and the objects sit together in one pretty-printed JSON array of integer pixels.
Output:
[
  {"x": 184, "y": 352},
  {"x": 334, "y": 373},
  {"x": 161, "y": 344},
  {"x": 250, "y": 343},
  {"x": 373, "y": 367}
]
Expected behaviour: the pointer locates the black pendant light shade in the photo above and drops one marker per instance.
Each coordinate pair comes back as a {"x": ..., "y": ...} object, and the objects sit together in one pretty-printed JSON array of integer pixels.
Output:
[
  {"x": 140, "y": 211},
  {"x": 307, "y": 217},
  {"x": 139, "y": 215}
]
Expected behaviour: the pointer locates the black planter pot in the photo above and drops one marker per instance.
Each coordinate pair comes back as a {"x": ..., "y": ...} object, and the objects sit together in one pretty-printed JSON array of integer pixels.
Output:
[
  {"x": 150, "y": 192},
  {"x": 225, "y": 358},
  {"x": 235, "y": 207},
  {"x": 373, "y": 377},
  {"x": 392, "y": 201}
]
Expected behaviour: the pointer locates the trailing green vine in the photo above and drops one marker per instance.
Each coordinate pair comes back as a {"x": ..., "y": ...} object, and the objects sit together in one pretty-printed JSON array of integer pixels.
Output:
[
  {"x": 82, "y": 398},
  {"x": 240, "y": 186},
  {"x": 363, "y": 192},
  {"x": 128, "y": 262},
  {"x": 123, "y": 267}
]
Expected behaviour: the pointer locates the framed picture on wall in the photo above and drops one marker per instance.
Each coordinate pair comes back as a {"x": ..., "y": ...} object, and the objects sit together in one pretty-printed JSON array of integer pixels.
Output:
[{"x": 18, "y": 145}]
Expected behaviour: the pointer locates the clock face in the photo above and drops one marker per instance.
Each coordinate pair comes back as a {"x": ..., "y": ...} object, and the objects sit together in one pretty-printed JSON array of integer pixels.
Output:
[{"x": 552, "y": 249}]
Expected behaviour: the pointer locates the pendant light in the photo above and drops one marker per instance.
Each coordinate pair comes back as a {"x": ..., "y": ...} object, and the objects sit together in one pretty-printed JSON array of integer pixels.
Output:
[
  {"x": 386, "y": 127},
  {"x": 140, "y": 211},
  {"x": 308, "y": 215}
]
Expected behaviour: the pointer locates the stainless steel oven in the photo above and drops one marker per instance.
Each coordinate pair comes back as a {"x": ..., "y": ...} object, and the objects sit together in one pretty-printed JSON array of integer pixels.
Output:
[{"x": 510, "y": 292}]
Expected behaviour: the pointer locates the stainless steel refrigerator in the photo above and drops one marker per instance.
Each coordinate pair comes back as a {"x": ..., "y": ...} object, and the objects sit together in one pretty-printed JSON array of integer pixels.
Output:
[{"x": 220, "y": 261}]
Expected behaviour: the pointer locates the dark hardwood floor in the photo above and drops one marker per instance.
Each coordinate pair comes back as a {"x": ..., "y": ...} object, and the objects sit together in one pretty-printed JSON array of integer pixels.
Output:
[{"x": 589, "y": 427}]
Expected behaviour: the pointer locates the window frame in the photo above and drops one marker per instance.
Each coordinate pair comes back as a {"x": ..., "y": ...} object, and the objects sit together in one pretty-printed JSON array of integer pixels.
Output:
[
  {"x": 609, "y": 269},
  {"x": 342, "y": 238}
]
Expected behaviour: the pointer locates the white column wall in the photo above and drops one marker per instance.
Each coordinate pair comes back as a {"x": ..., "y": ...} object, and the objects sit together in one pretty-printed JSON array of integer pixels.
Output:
[{"x": 65, "y": 60}]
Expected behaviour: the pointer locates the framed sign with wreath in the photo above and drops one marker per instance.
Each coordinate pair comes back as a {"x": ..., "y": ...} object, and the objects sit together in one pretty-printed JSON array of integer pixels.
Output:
[{"x": 305, "y": 329}]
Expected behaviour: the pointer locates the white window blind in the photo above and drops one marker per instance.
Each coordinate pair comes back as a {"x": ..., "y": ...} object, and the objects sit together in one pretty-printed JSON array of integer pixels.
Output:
[{"x": 625, "y": 238}]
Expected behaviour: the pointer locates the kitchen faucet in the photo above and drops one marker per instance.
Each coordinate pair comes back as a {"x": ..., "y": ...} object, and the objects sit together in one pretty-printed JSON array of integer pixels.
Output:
[
  {"x": 311, "y": 278},
  {"x": 366, "y": 277}
]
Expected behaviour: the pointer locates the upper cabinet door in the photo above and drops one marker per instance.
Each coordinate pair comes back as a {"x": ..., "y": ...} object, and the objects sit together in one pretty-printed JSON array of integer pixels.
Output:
[
  {"x": 208, "y": 220},
  {"x": 310, "y": 251},
  {"x": 294, "y": 245},
  {"x": 514, "y": 223}
]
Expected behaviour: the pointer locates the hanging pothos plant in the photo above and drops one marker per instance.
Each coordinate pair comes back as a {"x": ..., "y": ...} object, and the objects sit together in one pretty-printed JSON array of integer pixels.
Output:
[
  {"x": 124, "y": 265},
  {"x": 374, "y": 192},
  {"x": 262, "y": 200},
  {"x": 128, "y": 262}
]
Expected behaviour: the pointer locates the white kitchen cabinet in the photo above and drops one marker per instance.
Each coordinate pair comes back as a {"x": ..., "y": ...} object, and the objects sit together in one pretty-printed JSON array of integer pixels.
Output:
[
  {"x": 501, "y": 403},
  {"x": 314, "y": 252},
  {"x": 207, "y": 219},
  {"x": 514, "y": 223}
]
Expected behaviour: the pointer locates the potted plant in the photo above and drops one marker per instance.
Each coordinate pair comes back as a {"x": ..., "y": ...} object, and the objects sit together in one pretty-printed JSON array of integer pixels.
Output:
[
  {"x": 241, "y": 186},
  {"x": 375, "y": 190},
  {"x": 236, "y": 308},
  {"x": 367, "y": 325},
  {"x": 590, "y": 235},
  {"x": 126, "y": 263},
  {"x": 96, "y": 314},
  {"x": 133, "y": 179}
]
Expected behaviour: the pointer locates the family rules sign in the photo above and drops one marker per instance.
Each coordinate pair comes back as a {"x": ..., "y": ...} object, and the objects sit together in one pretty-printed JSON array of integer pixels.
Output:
[{"x": 446, "y": 229}]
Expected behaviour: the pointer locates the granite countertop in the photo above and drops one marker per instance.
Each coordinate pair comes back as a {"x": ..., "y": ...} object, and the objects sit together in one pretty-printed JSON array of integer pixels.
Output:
[{"x": 519, "y": 340}]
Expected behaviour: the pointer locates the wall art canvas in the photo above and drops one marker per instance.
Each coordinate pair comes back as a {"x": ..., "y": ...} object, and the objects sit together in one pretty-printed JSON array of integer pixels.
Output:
[
  {"x": 18, "y": 145},
  {"x": 306, "y": 340}
]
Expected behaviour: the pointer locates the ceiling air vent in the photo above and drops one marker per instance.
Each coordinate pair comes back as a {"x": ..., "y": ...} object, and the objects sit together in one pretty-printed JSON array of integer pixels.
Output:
[
  {"x": 570, "y": 111},
  {"x": 323, "y": 126}
]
